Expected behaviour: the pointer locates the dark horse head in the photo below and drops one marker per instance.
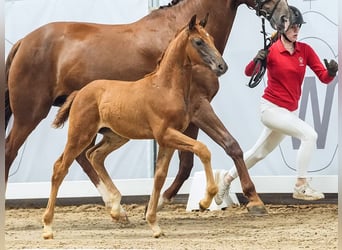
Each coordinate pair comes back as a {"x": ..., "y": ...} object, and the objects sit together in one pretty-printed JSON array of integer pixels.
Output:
[{"x": 277, "y": 12}]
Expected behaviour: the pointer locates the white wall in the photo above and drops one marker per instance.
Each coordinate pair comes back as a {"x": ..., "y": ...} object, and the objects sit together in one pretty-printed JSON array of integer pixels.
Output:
[{"x": 236, "y": 104}]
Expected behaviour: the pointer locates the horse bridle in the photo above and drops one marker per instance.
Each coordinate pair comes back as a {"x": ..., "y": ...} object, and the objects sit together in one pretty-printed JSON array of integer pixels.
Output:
[
  {"x": 260, "y": 65},
  {"x": 261, "y": 12}
]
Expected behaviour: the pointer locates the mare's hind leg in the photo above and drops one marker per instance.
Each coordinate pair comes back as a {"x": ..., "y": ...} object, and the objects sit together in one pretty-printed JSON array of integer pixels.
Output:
[
  {"x": 208, "y": 121},
  {"x": 28, "y": 107},
  {"x": 97, "y": 156},
  {"x": 162, "y": 166},
  {"x": 186, "y": 160},
  {"x": 75, "y": 144},
  {"x": 23, "y": 125}
]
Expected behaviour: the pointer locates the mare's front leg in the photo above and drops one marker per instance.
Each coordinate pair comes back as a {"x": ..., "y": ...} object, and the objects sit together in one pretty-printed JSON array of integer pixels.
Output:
[
  {"x": 206, "y": 119},
  {"x": 186, "y": 162},
  {"x": 162, "y": 166}
]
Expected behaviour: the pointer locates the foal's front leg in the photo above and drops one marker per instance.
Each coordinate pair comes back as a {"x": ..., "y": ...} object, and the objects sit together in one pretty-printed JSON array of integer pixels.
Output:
[
  {"x": 175, "y": 139},
  {"x": 162, "y": 166},
  {"x": 186, "y": 163}
]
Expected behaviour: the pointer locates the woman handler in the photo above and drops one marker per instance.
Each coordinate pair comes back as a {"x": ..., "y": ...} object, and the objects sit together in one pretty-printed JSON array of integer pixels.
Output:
[{"x": 286, "y": 64}]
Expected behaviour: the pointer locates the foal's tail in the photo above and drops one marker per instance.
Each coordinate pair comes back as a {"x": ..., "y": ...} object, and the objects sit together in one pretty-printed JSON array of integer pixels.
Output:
[
  {"x": 63, "y": 112},
  {"x": 12, "y": 53}
]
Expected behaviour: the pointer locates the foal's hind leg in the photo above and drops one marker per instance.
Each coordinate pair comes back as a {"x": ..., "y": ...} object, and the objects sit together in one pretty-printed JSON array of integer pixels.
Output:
[
  {"x": 59, "y": 172},
  {"x": 78, "y": 139},
  {"x": 90, "y": 171},
  {"x": 97, "y": 156}
]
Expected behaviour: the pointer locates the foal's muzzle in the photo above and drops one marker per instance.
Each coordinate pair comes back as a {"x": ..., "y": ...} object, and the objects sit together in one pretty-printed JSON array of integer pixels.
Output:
[{"x": 220, "y": 68}]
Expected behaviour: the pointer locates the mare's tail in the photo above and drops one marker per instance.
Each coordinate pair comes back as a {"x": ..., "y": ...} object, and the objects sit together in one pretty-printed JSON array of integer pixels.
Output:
[
  {"x": 63, "y": 112},
  {"x": 12, "y": 53}
]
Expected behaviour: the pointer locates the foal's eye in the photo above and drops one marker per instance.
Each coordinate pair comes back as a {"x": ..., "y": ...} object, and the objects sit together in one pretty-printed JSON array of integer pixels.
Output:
[{"x": 199, "y": 41}]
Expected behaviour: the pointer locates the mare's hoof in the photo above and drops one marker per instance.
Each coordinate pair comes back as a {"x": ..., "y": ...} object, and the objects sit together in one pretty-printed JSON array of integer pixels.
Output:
[
  {"x": 259, "y": 210},
  {"x": 163, "y": 201}
]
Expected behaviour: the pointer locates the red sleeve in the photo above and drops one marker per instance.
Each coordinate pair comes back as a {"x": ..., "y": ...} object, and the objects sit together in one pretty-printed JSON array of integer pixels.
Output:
[
  {"x": 317, "y": 66},
  {"x": 250, "y": 68}
]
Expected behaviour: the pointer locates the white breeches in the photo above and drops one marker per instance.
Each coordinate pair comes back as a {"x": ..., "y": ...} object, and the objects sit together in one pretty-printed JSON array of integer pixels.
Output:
[{"x": 280, "y": 122}]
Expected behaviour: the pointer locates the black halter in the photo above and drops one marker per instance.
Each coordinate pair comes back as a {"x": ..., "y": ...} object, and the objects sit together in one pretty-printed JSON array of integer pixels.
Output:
[{"x": 261, "y": 12}]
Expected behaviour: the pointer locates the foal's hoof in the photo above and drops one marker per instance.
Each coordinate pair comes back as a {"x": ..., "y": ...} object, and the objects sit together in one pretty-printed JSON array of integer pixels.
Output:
[
  {"x": 47, "y": 235},
  {"x": 123, "y": 219},
  {"x": 47, "y": 232},
  {"x": 259, "y": 210},
  {"x": 158, "y": 234},
  {"x": 201, "y": 207}
]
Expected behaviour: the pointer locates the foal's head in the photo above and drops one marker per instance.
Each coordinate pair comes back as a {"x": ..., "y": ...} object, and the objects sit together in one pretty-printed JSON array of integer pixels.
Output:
[{"x": 201, "y": 48}]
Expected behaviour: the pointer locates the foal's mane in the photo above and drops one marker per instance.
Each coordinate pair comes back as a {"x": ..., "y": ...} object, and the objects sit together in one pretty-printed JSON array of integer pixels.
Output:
[
  {"x": 163, "y": 54},
  {"x": 173, "y": 2}
]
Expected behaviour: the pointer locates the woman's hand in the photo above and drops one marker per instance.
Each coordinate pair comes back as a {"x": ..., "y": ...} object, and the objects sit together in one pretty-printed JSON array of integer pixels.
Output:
[
  {"x": 331, "y": 66},
  {"x": 261, "y": 55}
]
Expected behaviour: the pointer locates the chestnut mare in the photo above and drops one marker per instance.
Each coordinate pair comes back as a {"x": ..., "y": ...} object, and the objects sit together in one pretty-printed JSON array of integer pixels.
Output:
[
  {"x": 154, "y": 107},
  {"x": 44, "y": 67}
]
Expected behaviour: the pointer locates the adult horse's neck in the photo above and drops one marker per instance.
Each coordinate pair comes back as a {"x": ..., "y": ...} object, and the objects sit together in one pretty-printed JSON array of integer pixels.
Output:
[{"x": 221, "y": 17}]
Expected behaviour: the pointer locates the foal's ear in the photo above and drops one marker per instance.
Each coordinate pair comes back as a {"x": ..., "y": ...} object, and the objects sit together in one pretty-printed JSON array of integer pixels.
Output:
[
  {"x": 204, "y": 21},
  {"x": 192, "y": 22}
]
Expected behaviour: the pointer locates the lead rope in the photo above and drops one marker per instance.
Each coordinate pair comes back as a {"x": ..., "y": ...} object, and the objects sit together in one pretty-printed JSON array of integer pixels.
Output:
[{"x": 260, "y": 65}]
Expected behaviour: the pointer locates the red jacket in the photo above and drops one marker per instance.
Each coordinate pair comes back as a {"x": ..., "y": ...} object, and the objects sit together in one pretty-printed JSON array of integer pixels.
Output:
[{"x": 285, "y": 73}]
